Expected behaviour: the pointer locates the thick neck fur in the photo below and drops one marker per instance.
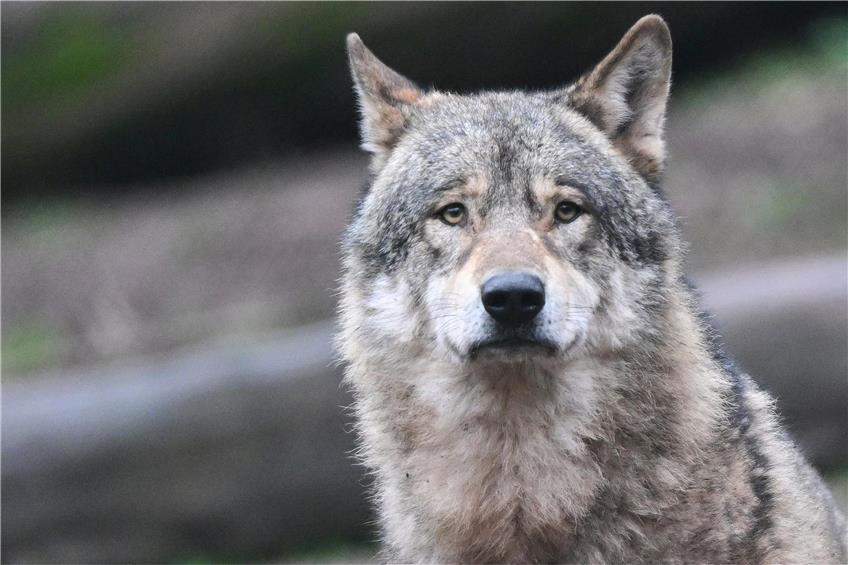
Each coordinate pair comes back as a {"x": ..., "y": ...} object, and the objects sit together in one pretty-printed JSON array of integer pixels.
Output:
[{"x": 539, "y": 459}]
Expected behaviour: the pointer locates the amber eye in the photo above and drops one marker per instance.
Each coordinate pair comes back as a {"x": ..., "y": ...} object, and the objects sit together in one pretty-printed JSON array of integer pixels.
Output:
[
  {"x": 567, "y": 211},
  {"x": 452, "y": 214}
]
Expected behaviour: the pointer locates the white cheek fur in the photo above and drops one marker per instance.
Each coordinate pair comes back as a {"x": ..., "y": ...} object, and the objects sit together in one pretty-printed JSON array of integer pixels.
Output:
[
  {"x": 618, "y": 324},
  {"x": 456, "y": 313},
  {"x": 390, "y": 310},
  {"x": 570, "y": 300}
]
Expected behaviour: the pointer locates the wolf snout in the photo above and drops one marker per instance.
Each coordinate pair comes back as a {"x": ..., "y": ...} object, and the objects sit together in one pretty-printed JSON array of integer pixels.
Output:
[{"x": 513, "y": 298}]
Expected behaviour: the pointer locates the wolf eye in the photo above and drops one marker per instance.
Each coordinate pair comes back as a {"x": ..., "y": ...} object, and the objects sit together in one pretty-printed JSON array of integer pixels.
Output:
[
  {"x": 567, "y": 211},
  {"x": 452, "y": 214}
]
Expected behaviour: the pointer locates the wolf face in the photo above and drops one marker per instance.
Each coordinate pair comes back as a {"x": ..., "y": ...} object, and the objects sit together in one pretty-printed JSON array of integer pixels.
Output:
[{"x": 512, "y": 226}]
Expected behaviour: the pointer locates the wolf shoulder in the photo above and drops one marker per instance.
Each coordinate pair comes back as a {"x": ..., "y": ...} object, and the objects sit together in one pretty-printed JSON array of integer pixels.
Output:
[{"x": 795, "y": 516}]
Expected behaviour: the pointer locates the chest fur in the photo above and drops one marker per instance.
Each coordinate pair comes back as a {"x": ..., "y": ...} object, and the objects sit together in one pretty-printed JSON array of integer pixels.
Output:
[{"x": 490, "y": 472}]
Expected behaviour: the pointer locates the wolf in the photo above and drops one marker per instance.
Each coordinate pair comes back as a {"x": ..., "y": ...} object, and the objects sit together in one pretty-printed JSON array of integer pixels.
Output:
[{"x": 533, "y": 377}]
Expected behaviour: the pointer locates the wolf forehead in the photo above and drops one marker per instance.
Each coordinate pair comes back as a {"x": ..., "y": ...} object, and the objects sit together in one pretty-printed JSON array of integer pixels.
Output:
[
  {"x": 506, "y": 142},
  {"x": 507, "y": 138}
]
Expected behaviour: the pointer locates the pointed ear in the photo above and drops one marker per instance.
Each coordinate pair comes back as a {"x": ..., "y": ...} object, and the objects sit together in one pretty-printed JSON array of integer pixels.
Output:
[
  {"x": 625, "y": 95},
  {"x": 385, "y": 97}
]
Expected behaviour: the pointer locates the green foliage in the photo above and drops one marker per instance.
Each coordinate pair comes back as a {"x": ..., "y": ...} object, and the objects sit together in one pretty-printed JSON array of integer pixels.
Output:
[
  {"x": 824, "y": 50},
  {"x": 70, "y": 54},
  {"x": 28, "y": 347},
  {"x": 331, "y": 551},
  {"x": 837, "y": 480},
  {"x": 777, "y": 206},
  {"x": 830, "y": 41},
  {"x": 197, "y": 560},
  {"x": 47, "y": 219}
]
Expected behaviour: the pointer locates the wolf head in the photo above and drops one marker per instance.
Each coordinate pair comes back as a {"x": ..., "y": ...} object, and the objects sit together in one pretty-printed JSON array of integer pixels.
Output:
[{"x": 510, "y": 226}]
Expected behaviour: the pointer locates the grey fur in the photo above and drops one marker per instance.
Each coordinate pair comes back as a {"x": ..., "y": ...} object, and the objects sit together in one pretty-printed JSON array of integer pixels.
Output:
[{"x": 631, "y": 437}]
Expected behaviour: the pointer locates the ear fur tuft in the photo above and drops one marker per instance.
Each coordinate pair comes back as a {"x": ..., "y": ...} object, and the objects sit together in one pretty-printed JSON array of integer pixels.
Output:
[
  {"x": 385, "y": 97},
  {"x": 626, "y": 94}
]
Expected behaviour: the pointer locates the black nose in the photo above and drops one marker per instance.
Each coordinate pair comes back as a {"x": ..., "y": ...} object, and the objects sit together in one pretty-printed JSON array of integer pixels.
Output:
[{"x": 513, "y": 298}]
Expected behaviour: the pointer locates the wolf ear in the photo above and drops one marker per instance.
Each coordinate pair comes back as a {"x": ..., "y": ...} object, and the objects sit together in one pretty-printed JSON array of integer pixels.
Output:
[
  {"x": 625, "y": 95},
  {"x": 385, "y": 97}
]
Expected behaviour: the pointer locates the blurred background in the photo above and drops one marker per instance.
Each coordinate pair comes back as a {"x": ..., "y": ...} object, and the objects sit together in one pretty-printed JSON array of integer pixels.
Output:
[{"x": 175, "y": 179}]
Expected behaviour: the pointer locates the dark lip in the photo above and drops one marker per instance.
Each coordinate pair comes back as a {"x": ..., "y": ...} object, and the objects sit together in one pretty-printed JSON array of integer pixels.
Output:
[{"x": 512, "y": 344}]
